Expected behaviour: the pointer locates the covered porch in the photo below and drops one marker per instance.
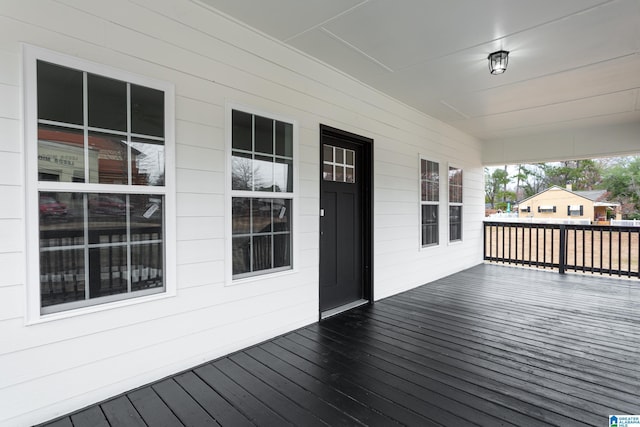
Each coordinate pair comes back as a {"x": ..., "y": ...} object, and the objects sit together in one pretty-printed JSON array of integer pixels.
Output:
[{"x": 490, "y": 345}]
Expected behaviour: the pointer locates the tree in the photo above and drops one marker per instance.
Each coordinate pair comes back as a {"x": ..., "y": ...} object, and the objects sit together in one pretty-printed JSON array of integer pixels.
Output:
[
  {"x": 581, "y": 174},
  {"x": 495, "y": 184},
  {"x": 623, "y": 183}
]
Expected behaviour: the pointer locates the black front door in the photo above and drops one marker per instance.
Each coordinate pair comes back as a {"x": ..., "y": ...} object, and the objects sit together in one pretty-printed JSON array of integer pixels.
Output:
[{"x": 344, "y": 219}]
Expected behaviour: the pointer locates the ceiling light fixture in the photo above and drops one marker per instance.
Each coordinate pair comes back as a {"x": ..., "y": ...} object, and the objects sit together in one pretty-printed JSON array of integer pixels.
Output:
[{"x": 498, "y": 62}]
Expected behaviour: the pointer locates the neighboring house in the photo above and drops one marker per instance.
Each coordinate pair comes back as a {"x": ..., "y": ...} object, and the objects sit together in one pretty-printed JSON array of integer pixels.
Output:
[{"x": 563, "y": 203}]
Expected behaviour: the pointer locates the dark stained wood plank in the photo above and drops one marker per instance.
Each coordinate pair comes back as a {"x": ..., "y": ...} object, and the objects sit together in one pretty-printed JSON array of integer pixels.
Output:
[
  {"x": 426, "y": 384},
  {"x": 221, "y": 410},
  {"x": 363, "y": 389},
  {"x": 280, "y": 376},
  {"x": 345, "y": 408},
  {"x": 121, "y": 413},
  {"x": 505, "y": 345},
  {"x": 182, "y": 405},
  {"x": 92, "y": 416},
  {"x": 491, "y": 345},
  {"x": 430, "y": 405},
  {"x": 270, "y": 396},
  {"x": 152, "y": 409},
  {"x": 240, "y": 398},
  {"x": 542, "y": 403},
  {"x": 445, "y": 348}
]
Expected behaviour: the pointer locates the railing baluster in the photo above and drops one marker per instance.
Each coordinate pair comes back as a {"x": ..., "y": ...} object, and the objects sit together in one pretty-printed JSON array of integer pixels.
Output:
[
  {"x": 507, "y": 243},
  {"x": 629, "y": 253}
]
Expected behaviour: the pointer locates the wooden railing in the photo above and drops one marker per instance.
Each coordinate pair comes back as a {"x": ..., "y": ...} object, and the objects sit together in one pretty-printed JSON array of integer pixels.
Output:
[{"x": 611, "y": 250}]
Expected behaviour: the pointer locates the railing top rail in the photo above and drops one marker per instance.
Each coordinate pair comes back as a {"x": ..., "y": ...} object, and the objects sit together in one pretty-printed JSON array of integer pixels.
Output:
[{"x": 615, "y": 228}]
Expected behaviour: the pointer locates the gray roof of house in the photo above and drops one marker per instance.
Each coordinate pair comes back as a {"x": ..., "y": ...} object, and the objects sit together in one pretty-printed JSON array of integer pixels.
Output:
[{"x": 594, "y": 195}]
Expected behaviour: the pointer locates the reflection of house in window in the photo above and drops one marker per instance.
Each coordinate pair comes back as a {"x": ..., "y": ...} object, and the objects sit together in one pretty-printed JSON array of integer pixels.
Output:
[{"x": 61, "y": 157}]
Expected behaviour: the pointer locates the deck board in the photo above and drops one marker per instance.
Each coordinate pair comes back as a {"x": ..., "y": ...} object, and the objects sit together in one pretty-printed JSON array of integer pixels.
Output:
[{"x": 492, "y": 345}]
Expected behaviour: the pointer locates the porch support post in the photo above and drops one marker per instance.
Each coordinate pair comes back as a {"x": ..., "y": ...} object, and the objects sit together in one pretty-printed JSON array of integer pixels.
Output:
[{"x": 563, "y": 249}]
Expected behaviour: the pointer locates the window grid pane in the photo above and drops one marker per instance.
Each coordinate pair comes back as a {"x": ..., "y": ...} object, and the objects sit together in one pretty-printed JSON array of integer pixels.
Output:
[
  {"x": 261, "y": 234},
  {"x": 262, "y": 154},
  {"x": 99, "y": 246},
  {"x": 455, "y": 204},
  {"x": 261, "y": 163},
  {"x": 339, "y": 164},
  {"x": 430, "y": 196}
]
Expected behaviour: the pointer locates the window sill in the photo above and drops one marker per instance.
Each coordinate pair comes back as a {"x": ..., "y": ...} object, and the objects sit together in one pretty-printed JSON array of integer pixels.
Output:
[
  {"x": 429, "y": 247},
  {"x": 261, "y": 277},
  {"x": 46, "y": 318}
]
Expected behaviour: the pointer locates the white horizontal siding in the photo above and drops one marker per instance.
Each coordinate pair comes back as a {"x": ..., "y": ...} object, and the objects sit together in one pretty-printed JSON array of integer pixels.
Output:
[{"x": 211, "y": 61}]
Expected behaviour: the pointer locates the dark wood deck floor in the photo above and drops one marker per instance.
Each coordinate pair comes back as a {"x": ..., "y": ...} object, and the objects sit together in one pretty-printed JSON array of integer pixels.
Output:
[{"x": 489, "y": 346}]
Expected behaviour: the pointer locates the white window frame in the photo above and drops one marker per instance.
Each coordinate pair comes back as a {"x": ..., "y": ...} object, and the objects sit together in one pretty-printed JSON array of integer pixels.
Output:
[
  {"x": 451, "y": 204},
  {"x": 32, "y": 54},
  {"x": 439, "y": 203},
  {"x": 260, "y": 275}
]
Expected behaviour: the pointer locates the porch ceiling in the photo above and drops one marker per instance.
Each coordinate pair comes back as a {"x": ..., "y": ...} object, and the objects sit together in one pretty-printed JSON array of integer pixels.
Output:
[{"x": 573, "y": 63}]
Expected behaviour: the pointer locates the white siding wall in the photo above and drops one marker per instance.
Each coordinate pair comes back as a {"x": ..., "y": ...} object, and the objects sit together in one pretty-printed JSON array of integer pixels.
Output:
[{"x": 55, "y": 367}]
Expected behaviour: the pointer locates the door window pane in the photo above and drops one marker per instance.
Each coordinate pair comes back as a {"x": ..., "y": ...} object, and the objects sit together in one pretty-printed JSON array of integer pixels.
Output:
[{"x": 339, "y": 164}]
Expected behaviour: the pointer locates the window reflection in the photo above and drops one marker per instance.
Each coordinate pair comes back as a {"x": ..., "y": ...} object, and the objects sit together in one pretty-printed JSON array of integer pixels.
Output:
[
  {"x": 125, "y": 249},
  {"x": 241, "y": 171},
  {"x": 112, "y": 157},
  {"x": 62, "y": 276},
  {"x": 263, "y": 174},
  {"x": 261, "y": 234},
  {"x": 147, "y": 163},
  {"x": 61, "y": 154},
  {"x": 429, "y": 224}
]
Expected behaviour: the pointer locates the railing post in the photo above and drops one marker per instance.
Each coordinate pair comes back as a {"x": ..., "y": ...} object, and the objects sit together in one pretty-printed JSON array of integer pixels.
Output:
[{"x": 563, "y": 249}]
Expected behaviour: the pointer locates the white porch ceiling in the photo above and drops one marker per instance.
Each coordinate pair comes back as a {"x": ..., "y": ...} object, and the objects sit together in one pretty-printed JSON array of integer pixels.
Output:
[{"x": 573, "y": 63}]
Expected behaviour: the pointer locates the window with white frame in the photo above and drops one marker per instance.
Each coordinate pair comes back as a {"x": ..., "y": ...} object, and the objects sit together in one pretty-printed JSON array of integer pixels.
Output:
[
  {"x": 575, "y": 210},
  {"x": 97, "y": 146},
  {"x": 455, "y": 204},
  {"x": 429, "y": 201},
  {"x": 262, "y": 194}
]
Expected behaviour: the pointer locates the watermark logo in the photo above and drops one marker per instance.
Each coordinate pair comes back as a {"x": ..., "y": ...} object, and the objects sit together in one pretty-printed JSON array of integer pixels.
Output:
[{"x": 624, "y": 420}]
